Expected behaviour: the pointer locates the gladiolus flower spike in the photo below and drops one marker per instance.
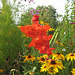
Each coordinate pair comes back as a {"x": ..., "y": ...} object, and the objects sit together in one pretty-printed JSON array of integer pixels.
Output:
[{"x": 38, "y": 33}]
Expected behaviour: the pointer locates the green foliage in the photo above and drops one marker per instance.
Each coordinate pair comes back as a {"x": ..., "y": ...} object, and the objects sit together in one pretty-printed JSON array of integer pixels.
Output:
[
  {"x": 72, "y": 11},
  {"x": 48, "y": 15},
  {"x": 10, "y": 38}
]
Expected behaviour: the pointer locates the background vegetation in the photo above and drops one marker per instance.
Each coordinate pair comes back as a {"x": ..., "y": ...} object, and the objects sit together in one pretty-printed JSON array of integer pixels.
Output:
[{"x": 12, "y": 41}]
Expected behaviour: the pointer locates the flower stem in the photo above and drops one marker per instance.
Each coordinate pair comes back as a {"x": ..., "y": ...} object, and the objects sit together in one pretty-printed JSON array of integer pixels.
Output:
[
  {"x": 44, "y": 73},
  {"x": 13, "y": 72},
  {"x": 47, "y": 73},
  {"x": 72, "y": 64}
]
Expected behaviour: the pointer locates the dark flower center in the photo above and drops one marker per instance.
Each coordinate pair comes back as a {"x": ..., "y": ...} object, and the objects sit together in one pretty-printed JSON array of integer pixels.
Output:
[
  {"x": 51, "y": 71},
  {"x": 72, "y": 54},
  {"x": 42, "y": 59},
  {"x": 51, "y": 32},
  {"x": 58, "y": 41},
  {"x": 47, "y": 59},
  {"x": 29, "y": 56},
  {"x": 58, "y": 53},
  {"x": 44, "y": 66},
  {"x": 53, "y": 62}
]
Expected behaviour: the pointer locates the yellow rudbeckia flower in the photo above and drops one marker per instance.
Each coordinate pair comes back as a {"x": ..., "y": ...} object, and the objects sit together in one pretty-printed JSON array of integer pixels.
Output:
[
  {"x": 58, "y": 56},
  {"x": 44, "y": 68},
  {"x": 18, "y": 26},
  {"x": 42, "y": 58},
  {"x": 55, "y": 65},
  {"x": 51, "y": 29},
  {"x": 70, "y": 56},
  {"x": 1, "y": 70},
  {"x": 72, "y": 44},
  {"x": 57, "y": 42},
  {"x": 46, "y": 23},
  {"x": 41, "y": 22},
  {"x": 73, "y": 71},
  {"x": 29, "y": 57},
  {"x": 51, "y": 66},
  {"x": 26, "y": 45},
  {"x": 52, "y": 71},
  {"x": 24, "y": 35}
]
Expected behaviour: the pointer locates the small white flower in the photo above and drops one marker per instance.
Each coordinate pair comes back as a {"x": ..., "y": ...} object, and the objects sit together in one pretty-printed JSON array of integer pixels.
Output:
[
  {"x": 63, "y": 49},
  {"x": 64, "y": 32},
  {"x": 0, "y": 11}
]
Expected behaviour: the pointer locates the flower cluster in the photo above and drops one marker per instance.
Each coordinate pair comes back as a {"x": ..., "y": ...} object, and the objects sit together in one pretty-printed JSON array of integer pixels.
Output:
[
  {"x": 36, "y": 13},
  {"x": 49, "y": 65},
  {"x": 38, "y": 33}
]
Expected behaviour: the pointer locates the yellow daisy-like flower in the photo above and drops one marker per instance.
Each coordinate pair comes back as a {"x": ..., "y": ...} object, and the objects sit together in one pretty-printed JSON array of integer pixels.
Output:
[
  {"x": 58, "y": 56},
  {"x": 41, "y": 22},
  {"x": 18, "y": 26},
  {"x": 1, "y": 70},
  {"x": 29, "y": 57},
  {"x": 61, "y": 44},
  {"x": 72, "y": 44},
  {"x": 44, "y": 68},
  {"x": 46, "y": 23},
  {"x": 55, "y": 65},
  {"x": 42, "y": 58},
  {"x": 70, "y": 56},
  {"x": 51, "y": 29},
  {"x": 73, "y": 71},
  {"x": 57, "y": 42},
  {"x": 52, "y": 71},
  {"x": 24, "y": 35},
  {"x": 26, "y": 45}
]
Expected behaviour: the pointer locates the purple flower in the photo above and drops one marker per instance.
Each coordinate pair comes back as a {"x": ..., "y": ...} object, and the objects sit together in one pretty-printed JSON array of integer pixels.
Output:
[
  {"x": 47, "y": 10},
  {"x": 31, "y": 1},
  {"x": 33, "y": 9},
  {"x": 32, "y": 13},
  {"x": 72, "y": 23},
  {"x": 38, "y": 11}
]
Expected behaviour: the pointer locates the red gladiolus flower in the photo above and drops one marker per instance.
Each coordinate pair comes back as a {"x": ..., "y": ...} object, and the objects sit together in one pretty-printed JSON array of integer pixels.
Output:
[
  {"x": 35, "y": 30},
  {"x": 35, "y": 19},
  {"x": 41, "y": 43},
  {"x": 47, "y": 37},
  {"x": 25, "y": 29},
  {"x": 38, "y": 33},
  {"x": 49, "y": 51}
]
